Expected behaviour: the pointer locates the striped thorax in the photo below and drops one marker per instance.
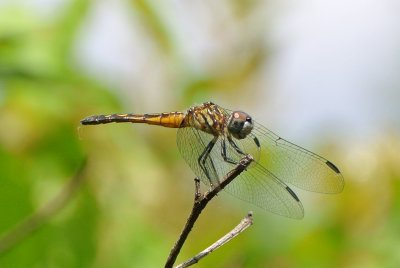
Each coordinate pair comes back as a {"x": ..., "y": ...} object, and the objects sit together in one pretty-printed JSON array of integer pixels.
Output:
[{"x": 208, "y": 117}]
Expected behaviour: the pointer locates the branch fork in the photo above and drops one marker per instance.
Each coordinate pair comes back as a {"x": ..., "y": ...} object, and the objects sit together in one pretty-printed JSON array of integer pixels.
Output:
[{"x": 200, "y": 202}]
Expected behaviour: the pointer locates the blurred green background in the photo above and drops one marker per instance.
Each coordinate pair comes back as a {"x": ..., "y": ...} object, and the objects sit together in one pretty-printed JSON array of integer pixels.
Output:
[{"x": 63, "y": 60}]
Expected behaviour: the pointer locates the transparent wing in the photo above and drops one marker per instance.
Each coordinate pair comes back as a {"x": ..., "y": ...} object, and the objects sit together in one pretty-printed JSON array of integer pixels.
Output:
[
  {"x": 255, "y": 185},
  {"x": 191, "y": 144},
  {"x": 261, "y": 188},
  {"x": 291, "y": 163},
  {"x": 296, "y": 165}
]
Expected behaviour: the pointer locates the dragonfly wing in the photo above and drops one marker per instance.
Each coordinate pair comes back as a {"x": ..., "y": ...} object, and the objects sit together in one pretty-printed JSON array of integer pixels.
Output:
[
  {"x": 255, "y": 185},
  {"x": 296, "y": 165},
  {"x": 191, "y": 144},
  {"x": 260, "y": 187}
]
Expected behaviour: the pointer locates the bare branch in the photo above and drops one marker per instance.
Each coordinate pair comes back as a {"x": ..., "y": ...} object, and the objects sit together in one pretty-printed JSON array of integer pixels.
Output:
[
  {"x": 243, "y": 225},
  {"x": 201, "y": 202},
  {"x": 197, "y": 193},
  {"x": 38, "y": 218}
]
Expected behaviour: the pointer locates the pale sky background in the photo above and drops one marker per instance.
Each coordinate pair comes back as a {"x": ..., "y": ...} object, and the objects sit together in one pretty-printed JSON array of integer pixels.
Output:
[
  {"x": 341, "y": 59},
  {"x": 334, "y": 68}
]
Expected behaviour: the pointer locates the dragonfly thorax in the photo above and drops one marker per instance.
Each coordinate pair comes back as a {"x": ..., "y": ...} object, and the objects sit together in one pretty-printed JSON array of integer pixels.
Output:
[{"x": 240, "y": 124}]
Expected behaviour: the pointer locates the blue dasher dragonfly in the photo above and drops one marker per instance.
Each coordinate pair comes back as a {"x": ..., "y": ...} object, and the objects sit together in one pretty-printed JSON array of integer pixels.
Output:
[{"x": 212, "y": 140}]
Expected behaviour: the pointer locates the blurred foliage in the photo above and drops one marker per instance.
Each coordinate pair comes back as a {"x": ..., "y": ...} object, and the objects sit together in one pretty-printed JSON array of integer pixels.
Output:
[{"x": 138, "y": 190}]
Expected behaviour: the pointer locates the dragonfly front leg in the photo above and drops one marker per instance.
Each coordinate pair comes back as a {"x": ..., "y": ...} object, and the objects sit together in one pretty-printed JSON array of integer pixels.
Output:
[
  {"x": 203, "y": 158},
  {"x": 223, "y": 152},
  {"x": 235, "y": 146}
]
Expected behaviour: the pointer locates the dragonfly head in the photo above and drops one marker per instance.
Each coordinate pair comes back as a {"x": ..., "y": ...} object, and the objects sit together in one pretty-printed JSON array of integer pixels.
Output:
[{"x": 240, "y": 124}]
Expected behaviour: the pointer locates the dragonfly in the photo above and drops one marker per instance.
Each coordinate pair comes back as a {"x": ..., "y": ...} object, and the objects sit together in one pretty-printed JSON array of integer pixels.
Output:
[{"x": 213, "y": 139}]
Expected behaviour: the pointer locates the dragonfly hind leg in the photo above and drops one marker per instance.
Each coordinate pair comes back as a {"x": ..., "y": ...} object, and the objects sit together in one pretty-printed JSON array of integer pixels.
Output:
[{"x": 203, "y": 158}]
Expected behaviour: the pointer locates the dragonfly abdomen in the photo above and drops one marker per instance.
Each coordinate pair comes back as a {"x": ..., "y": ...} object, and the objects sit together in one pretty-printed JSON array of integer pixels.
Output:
[{"x": 171, "y": 120}]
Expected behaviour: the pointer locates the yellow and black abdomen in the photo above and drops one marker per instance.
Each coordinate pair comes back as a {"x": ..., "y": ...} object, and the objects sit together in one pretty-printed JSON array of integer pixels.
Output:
[{"x": 171, "y": 120}]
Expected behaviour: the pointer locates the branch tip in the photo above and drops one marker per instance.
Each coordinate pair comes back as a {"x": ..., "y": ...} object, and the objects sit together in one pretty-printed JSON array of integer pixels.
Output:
[{"x": 243, "y": 225}]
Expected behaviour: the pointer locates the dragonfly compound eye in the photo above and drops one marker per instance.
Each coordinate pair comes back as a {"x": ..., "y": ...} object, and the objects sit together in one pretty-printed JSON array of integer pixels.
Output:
[{"x": 240, "y": 124}]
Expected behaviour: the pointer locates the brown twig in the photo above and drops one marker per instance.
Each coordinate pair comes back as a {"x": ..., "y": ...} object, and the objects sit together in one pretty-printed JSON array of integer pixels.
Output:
[
  {"x": 243, "y": 225},
  {"x": 38, "y": 218},
  {"x": 200, "y": 203}
]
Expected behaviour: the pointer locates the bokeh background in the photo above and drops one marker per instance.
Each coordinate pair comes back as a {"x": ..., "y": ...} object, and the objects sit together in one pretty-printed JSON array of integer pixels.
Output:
[{"x": 323, "y": 74}]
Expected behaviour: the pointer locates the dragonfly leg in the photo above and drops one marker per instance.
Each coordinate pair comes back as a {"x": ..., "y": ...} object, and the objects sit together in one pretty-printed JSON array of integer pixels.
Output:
[
  {"x": 223, "y": 152},
  {"x": 203, "y": 158},
  {"x": 231, "y": 142}
]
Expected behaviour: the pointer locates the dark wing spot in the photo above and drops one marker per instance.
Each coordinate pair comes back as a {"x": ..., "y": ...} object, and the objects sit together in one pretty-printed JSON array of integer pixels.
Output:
[
  {"x": 292, "y": 193},
  {"x": 332, "y": 166},
  {"x": 257, "y": 142}
]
